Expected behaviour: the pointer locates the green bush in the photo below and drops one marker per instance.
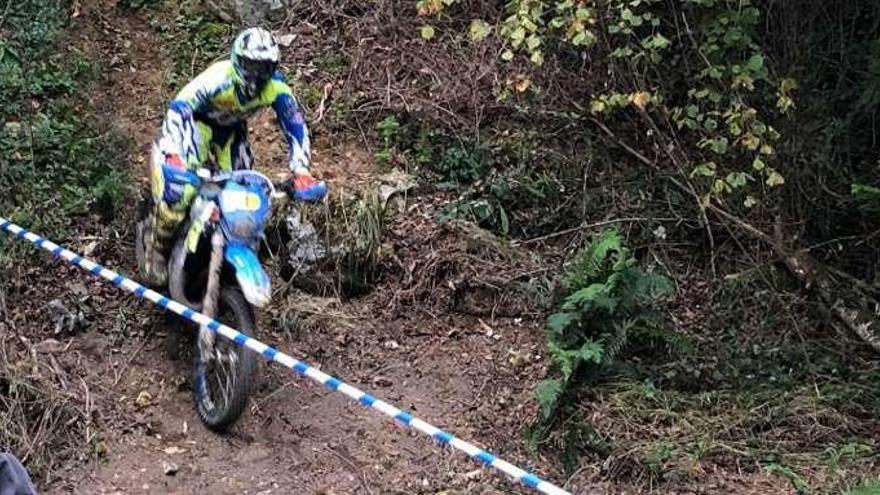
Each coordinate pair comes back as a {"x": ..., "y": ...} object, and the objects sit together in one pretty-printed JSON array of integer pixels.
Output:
[{"x": 609, "y": 299}]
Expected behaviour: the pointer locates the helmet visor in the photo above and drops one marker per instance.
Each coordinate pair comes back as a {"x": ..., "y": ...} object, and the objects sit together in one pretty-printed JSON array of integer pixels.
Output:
[{"x": 257, "y": 70}]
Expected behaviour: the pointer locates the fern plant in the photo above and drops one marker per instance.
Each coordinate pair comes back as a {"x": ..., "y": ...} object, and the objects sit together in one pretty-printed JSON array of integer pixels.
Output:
[{"x": 610, "y": 298}]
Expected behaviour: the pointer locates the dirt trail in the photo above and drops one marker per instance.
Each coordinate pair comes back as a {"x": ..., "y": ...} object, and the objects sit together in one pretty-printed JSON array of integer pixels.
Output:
[{"x": 297, "y": 437}]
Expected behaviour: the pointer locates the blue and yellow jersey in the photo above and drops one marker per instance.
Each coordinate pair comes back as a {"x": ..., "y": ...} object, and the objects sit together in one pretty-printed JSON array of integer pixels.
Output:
[{"x": 215, "y": 98}]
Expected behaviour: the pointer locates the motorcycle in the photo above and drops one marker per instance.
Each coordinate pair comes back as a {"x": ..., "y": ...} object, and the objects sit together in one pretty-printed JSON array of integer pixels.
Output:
[{"x": 214, "y": 268}]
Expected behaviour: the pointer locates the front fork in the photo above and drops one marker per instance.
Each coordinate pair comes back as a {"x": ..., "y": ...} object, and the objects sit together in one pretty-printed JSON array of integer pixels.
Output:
[{"x": 212, "y": 294}]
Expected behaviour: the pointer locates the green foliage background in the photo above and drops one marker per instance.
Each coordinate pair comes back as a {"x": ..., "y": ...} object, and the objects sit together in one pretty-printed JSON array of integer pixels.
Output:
[{"x": 59, "y": 162}]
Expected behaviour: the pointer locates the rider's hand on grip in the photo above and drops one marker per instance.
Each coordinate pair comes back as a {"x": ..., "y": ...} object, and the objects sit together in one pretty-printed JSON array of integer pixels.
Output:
[
  {"x": 176, "y": 177},
  {"x": 303, "y": 187}
]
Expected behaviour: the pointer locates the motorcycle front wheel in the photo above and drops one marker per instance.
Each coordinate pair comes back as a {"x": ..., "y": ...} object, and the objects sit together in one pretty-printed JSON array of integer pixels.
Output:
[{"x": 223, "y": 384}]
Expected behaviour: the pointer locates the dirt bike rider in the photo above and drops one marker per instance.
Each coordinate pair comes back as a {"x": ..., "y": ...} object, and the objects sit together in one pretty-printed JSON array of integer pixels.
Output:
[{"x": 208, "y": 119}]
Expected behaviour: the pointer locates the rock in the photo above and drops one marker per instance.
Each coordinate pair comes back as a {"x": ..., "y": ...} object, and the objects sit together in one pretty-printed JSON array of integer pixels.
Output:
[
  {"x": 78, "y": 288},
  {"x": 285, "y": 40},
  {"x": 89, "y": 248},
  {"x": 248, "y": 12},
  {"x": 476, "y": 473},
  {"x": 394, "y": 184},
  {"x": 169, "y": 468},
  {"x": 305, "y": 247},
  {"x": 381, "y": 381}
]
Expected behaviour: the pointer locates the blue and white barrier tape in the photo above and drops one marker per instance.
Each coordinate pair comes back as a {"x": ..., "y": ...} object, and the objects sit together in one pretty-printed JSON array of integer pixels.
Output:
[{"x": 403, "y": 417}]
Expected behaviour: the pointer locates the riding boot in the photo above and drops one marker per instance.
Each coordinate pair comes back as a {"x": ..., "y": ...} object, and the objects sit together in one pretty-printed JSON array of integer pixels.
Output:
[{"x": 158, "y": 240}]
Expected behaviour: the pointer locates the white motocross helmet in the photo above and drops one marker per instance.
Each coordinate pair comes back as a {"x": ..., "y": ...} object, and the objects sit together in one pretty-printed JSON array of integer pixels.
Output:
[{"x": 255, "y": 57}]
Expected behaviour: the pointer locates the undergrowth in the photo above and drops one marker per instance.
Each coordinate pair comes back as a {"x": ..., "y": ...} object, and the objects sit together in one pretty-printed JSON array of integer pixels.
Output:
[
  {"x": 192, "y": 38},
  {"x": 502, "y": 183},
  {"x": 610, "y": 303},
  {"x": 60, "y": 163},
  {"x": 42, "y": 422},
  {"x": 739, "y": 394}
]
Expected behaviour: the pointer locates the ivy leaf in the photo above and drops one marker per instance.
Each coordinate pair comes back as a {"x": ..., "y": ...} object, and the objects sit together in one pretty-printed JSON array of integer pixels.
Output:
[
  {"x": 533, "y": 42},
  {"x": 427, "y": 32},
  {"x": 548, "y": 392},
  {"x": 719, "y": 145},
  {"x": 774, "y": 178},
  {"x": 537, "y": 57},
  {"x": 734, "y": 129},
  {"x": 518, "y": 35},
  {"x": 720, "y": 186},
  {"x": 480, "y": 30},
  {"x": 507, "y": 55},
  {"x": 583, "y": 14},
  {"x": 750, "y": 202},
  {"x": 640, "y": 99},
  {"x": 758, "y": 164},
  {"x": 656, "y": 42},
  {"x": 737, "y": 179},
  {"x": 750, "y": 141},
  {"x": 756, "y": 64},
  {"x": 580, "y": 38},
  {"x": 704, "y": 170}
]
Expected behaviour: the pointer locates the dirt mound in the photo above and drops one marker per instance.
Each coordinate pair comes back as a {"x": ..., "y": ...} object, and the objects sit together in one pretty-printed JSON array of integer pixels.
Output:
[{"x": 459, "y": 267}]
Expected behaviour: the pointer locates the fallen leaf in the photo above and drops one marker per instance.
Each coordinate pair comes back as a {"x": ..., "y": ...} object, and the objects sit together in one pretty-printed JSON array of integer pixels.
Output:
[
  {"x": 522, "y": 85},
  {"x": 640, "y": 99},
  {"x": 101, "y": 448},
  {"x": 480, "y": 29},
  {"x": 143, "y": 399},
  {"x": 286, "y": 40}
]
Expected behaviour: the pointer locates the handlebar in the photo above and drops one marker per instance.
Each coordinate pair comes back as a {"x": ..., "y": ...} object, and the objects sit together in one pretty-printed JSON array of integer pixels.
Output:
[
  {"x": 277, "y": 191},
  {"x": 221, "y": 177}
]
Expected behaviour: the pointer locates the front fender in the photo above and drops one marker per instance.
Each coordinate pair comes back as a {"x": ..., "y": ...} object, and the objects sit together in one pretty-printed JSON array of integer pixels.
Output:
[{"x": 249, "y": 273}]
